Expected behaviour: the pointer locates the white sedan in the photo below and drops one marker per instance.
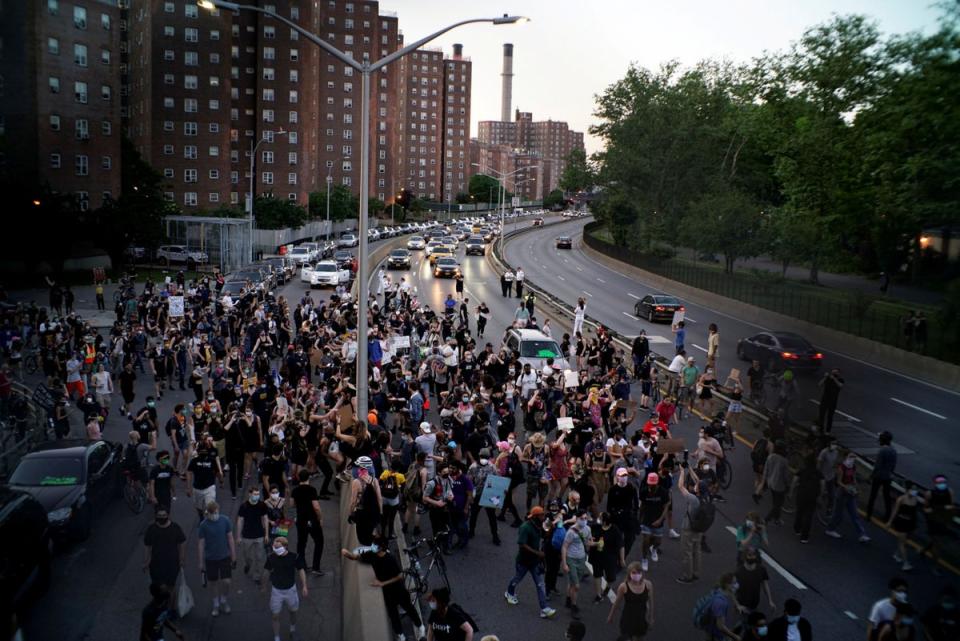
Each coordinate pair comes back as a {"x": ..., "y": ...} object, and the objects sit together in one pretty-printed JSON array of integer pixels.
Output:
[
  {"x": 324, "y": 273},
  {"x": 416, "y": 242}
]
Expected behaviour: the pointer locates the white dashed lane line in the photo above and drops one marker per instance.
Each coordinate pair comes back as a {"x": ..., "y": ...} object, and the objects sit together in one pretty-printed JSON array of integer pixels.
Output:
[
  {"x": 700, "y": 348},
  {"x": 633, "y": 296},
  {"x": 773, "y": 565},
  {"x": 587, "y": 293},
  {"x": 918, "y": 408}
]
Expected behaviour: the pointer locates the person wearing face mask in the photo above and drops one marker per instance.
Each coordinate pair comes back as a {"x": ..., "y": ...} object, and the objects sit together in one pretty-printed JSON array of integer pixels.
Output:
[
  {"x": 902, "y": 627},
  {"x": 203, "y": 472},
  {"x": 939, "y": 511},
  {"x": 722, "y": 613},
  {"x": 160, "y": 489},
  {"x": 636, "y": 596},
  {"x": 573, "y": 557},
  {"x": 753, "y": 581},
  {"x": 217, "y": 554},
  {"x": 846, "y": 499},
  {"x": 530, "y": 556},
  {"x": 164, "y": 549},
  {"x": 623, "y": 504},
  {"x": 942, "y": 621},
  {"x": 610, "y": 558},
  {"x": 252, "y": 527},
  {"x": 790, "y": 626},
  {"x": 884, "y": 610},
  {"x": 448, "y": 621},
  {"x": 756, "y": 628},
  {"x": 903, "y": 521},
  {"x": 827, "y": 461},
  {"x": 285, "y": 569}
]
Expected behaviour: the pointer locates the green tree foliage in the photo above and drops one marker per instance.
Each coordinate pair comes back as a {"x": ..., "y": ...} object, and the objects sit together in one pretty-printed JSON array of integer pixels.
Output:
[
  {"x": 577, "y": 174},
  {"x": 846, "y": 142},
  {"x": 343, "y": 204},
  {"x": 278, "y": 213},
  {"x": 484, "y": 188},
  {"x": 554, "y": 199}
]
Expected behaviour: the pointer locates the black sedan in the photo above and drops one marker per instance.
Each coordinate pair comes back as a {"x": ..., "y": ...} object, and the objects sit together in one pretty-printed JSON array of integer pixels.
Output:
[
  {"x": 656, "y": 307},
  {"x": 446, "y": 267},
  {"x": 72, "y": 479},
  {"x": 777, "y": 351},
  {"x": 399, "y": 259},
  {"x": 564, "y": 242},
  {"x": 476, "y": 247},
  {"x": 25, "y": 557}
]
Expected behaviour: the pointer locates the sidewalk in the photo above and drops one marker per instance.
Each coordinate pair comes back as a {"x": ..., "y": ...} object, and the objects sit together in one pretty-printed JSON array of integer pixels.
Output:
[{"x": 853, "y": 282}]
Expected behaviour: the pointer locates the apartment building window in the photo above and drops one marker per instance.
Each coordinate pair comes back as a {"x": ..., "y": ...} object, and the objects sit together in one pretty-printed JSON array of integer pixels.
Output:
[
  {"x": 349, "y": 7},
  {"x": 82, "y": 165},
  {"x": 191, "y": 34},
  {"x": 168, "y": 79},
  {"x": 214, "y": 81},
  {"x": 53, "y": 46},
  {"x": 80, "y": 92},
  {"x": 269, "y": 73},
  {"x": 348, "y": 87},
  {"x": 81, "y": 126},
  {"x": 269, "y": 53},
  {"x": 347, "y": 119},
  {"x": 267, "y": 157},
  {"x": 234, "y": 155},
  {"x": 79, "y": 18},
  {"x": 189, "y": 175},
  {"x": 292, "y": 157},
  {"x": 346, "y": 150},
  {"x": 83, "y": 200},
  {"x": 55, "y": 161},
  {"x": 293, "y": 117},
  {"x": 294, "y": 75},
  {"x": 348, "y": 71},
  {"x": 190, "y": 152},
  {"x": 214, "y": 34},
  {"x": 348, "y": 39},
  {"x": 168, "y": 150},
  {"x": 294, "y": 96},
  {"x": 169, "y": 55},
  {"x": 267, "y": 178},
  {"x": 291, "y": 179},
  {"x": 294, "y": 55},
  {"x": 190, "y": 129},
  {"x": 54, "y": 122},
  {"x": 190, "y": 105},
  {"x": 169, "y": 32},
  {"x": 190, "y": 82},
  {"x": 214, "y": 174},
  {"x": 268, "y": 115},
  {"x": 168, "y": 173},
  {"x": 190, "y": 198},
  {"x": 347, "y": 181},
  {"x": 106, "y": 93},
  {"x": 80, "y": 55},
  {"x": 104, "y": 56},
  {"x": 214, "y": 196},
  {"x": 53, "y": 7},
  {"x": 292, "y": 137},
  {"x": 168, "y": 103},
  {"x": 106, "y": 162},
  {"x": 347, "y": 134},
  {"x": 190, "y": 10},
  {"x": 234, "y": 177},
  {"x": 213, "y": 105},
  {"x": 268, "y": 95},
  {"x": 329, "y": 132},
  {"x": 191, "y": 58}
]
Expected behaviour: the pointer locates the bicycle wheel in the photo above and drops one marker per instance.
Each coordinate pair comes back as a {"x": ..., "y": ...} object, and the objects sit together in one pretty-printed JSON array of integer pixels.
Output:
[
  {"x": 413, "y": 583},
  {"x": 724, "y": 474},
  {"x": 441, "y": 566},
  {"x": 134, "y": 497}
]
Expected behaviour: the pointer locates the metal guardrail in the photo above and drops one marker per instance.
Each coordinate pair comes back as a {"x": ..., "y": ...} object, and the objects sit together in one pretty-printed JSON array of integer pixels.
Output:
[
  {"x": 36, "y": 431},
  {"x": 797, "y": 433}
]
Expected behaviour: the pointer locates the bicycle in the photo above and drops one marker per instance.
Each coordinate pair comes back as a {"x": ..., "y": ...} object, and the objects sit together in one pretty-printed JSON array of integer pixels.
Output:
[
  {"x": 415, "y": 580},
  {"x": 134, "y": 493},
  {"x": 724, "y": 473}
]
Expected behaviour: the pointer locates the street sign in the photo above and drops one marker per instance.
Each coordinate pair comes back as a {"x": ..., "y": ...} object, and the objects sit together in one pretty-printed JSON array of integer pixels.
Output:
[{"x": 516, "y": 201}]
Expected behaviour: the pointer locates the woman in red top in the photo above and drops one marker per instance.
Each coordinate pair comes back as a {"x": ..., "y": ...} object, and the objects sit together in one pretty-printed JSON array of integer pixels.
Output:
[
  {"x": 667, "y": 409},
  {"x": 559, "y": 467}
]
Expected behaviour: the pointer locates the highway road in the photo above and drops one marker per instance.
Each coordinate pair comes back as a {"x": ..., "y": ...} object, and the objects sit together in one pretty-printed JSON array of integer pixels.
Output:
[
  {"x": 836, "y": 581},
  {"x": 918, "y": 414}
]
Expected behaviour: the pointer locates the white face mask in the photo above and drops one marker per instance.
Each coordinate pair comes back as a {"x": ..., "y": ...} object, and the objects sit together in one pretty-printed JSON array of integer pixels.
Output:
[
  {"x": 280, "y": 550},
  {"x": 213, "y": 516},
  {"x": 635, "y": 577},
  {"x": 274, "y": 495}
]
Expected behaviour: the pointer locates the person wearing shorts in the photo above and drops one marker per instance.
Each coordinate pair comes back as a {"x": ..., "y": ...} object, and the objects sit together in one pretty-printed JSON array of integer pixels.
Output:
[
  {"x": 217, "y": 553},
  {"x": 203, "y": 472},
  {"x": 573, "y": 558},
  {"x": 284, "y": 568}
]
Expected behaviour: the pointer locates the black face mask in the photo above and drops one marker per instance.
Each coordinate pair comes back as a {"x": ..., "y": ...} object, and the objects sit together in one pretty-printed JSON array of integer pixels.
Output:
[{"x": 163, "y": 521}]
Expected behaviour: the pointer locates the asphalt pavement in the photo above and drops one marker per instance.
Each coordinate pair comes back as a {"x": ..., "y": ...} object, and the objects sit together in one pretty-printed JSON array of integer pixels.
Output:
[{"x": 919, "y": 415}]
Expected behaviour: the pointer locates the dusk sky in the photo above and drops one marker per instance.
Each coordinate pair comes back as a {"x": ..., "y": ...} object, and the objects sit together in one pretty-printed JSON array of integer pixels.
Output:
[{"x": 572, "y": 49}]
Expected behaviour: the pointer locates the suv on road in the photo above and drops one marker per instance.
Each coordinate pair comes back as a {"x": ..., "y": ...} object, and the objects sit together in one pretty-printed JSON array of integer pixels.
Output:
[
  {"x": 181, "y": 255},
  {"x": 476, "y": 246},
  {"x": 533, "y": 348}
]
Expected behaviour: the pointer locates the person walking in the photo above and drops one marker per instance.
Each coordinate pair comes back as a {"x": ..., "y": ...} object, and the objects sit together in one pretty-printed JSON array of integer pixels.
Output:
[
  {"x": 790, "y": 626},
  {"x": 713, "y": 346},
  {"x": 203, "y": 472},
  {"x": 506, "y": 283},
  {"x": 808, "y": 481},
  {"x": 285, "y": 568},
  {"x": 882, "y": 475},
  {"x": 698, "y": 513},
  {"x": 578, "y": 315},
  {"x": 530, "y": 556},
  {"x": 573, "y": 558},
  {"x": 846, "y": 499},
  {"x": 636, "y": 596},
  {"x": 309, "y": 520},
  {"x": 217, "y": 554},
  {"x": 903, "y": 521},
  {"x": 252, "y": 534},
  {"x": 164, "y": 549},
  {"x": 478, "y": 473},
  {"x": 483, "y": 315},
  {"x": 831, "y": 384},
  {"x": 157, "y": 615},
  {"x": 777, "y": 477},
  {"x": 518, "y": 281}
]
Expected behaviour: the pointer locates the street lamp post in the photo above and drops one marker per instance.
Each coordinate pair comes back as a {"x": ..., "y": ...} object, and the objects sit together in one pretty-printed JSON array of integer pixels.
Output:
[
  {"x": 251, "y": 195},
  {"x": 501, "y": 192},
  {"x": 366, "y": 69}
]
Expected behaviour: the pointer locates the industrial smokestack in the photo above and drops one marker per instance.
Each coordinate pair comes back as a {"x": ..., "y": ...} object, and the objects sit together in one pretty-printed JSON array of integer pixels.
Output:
[
  {"x": 457, "y": 51},
  {"x": 507, "y": 76}
]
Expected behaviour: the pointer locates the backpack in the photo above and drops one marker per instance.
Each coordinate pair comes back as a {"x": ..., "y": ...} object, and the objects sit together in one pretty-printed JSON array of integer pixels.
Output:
[
  {"x": 389, "y": 488},
  {"x": 412, "y": 487},
  {"x": 515, "y": 467},
  {"x": 457, "y": 610},
  {"x": 701, "y": 518},
  {"x": 559, "y": 534},
  {"x": 702, "y": 617},
  {"x": 758, "y": 455}
]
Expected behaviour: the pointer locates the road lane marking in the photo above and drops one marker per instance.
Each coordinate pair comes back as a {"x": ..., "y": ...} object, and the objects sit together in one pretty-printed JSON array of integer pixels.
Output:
[
  {"x": 700, "y": 348},
  {"x": 653, "y": 338},
  {"x": 587, "y": 293},
  {"x": 602, "y": 281},
  {"x": 843, "y": 414},
  {"x": 579, "y": 269},
  {"x": 779, "y": 569},
  {"x": 688, "y": 319},
  {"x": 919, "y": 409},
  {"x": 561, "y": 278},
  {"x": 633, "y": 295},
  {"x": 851, "y": 614},
  {"x": 630, "y": 316}
]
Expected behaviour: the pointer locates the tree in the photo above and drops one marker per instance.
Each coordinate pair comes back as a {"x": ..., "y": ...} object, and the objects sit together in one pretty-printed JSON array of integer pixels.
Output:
[
  {"x": 463, "y": 198},
  {"x": 554, "y": 200},
  {"x": 577, "y": 174},
  {"x": 278, "y": 213},
  {"x": 484, "y": 188},
  {"x": 726, "y": 221},
  {"x": 343, "y": 204},
  {"x": 375, "y": 206}
]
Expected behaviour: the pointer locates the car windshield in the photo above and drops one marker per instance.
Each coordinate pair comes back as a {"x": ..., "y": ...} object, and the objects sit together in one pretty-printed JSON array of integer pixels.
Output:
[
  {"x": 539, "y": 349},
  {"x": 325, "y": 267},
  {"x": 665, "y": 300},
  {"x": 399, "y": 253},
  {"x": 247, "y": 275},
  {"x": 793, "y": 342},
  {"x": 42, "y": 471},
  {"x": 342, "y": 255},
  {"x": 417, "y": 239},
  {"x": 299, "y": 250},
  {"x": 447, "y": 262},
  {"x": 232, "y": 286}
]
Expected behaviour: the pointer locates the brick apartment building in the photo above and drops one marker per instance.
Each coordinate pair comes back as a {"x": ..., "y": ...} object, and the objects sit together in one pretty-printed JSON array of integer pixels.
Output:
[
  {"x": 59, "y": 97},
  {"x": 456, "y": 124}
]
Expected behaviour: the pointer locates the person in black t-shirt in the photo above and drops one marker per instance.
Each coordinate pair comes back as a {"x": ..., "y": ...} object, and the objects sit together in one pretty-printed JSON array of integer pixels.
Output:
[
  {"x": 156, "y": 615},
  {"x": 160, "y": 486},
  {"x": 202, "y": 474},
  {"x": 285, "y": 568},
  {"x": 447, "y": 622},
  {"x": 164, "y": 549},
  {"x": 389, "y": 576},
  {"x": 252, "y": 529},
  {"x": 309, "y": 520},
  {"x": 273, "y": 470}
]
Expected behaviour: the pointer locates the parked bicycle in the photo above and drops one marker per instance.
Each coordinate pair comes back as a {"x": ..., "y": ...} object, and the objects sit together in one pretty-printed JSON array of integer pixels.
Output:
[
  {"x": 134, "y": 494},
  {"x": 417, "y": 579}
]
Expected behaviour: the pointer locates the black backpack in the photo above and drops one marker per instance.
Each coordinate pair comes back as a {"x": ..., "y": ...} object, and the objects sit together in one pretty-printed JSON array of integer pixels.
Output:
[
  {"x": 701, "y": 518},
  {"x": 759, "y": 453},
  {"x": 389, "y": 488},
  {"x": 457, "y": 610}
]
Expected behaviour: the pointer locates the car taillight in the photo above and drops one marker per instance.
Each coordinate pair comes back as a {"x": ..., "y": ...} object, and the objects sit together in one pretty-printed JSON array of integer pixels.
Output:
[
  {"x": 680, "y": 309},
  {"x": 818, "y": 355},
  {"x": 659, "y": 308},
  {"x": 790, "y": 355}
]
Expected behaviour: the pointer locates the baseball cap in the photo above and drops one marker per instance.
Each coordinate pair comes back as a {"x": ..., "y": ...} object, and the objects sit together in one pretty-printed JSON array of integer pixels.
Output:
[
  {"x": 652, "y": 478},
  {"x": 535, "y": 511},
  {"x": 485, "y": 453},
  {"x": 425, "y": 427},
  {"x": 365, "y": 461},
  {"x": 622, "y": 471}
]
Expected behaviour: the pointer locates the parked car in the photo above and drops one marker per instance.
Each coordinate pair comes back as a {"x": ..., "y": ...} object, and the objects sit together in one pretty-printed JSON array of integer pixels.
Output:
[
  {"x": 533, "y": 348},
  {"x": 416, "y": 242},
  {"x": 657, "y": 307},
  {"x": 399, "y": 259},
  {"x": 564, "y": 242},
  {"x": 73, "y": 479},
  {"x": 301, "y": 255},
  {"x": 343, "y": 257},
  {"x": 348, "y": 240},
  {"x": 25, "y": 553},
  {"x": 446, "y": 267},
  {"x": 777, "y": 351},
  {"x": 181, "y": 255},
  {"x": 475, "y": 246},
  {"x": 326, "y": 273},
  {"x": 135, "y": 254},
  {"x": 256, "y": 276}
]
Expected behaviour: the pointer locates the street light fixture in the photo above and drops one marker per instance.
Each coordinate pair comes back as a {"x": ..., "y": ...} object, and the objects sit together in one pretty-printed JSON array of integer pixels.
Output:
[
  {"x": 501, "y": 192},
  {"x": 366, "y": 69}
]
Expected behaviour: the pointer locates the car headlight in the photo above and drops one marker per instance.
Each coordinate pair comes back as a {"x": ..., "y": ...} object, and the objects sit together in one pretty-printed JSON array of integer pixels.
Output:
[{"x": 58, "y": 515}]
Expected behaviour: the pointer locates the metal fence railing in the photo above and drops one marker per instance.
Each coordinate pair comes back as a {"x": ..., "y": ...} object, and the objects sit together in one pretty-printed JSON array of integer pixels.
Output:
[
  {"x": 19, "y": 435},
  {"x": 857, "y": 313}
]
